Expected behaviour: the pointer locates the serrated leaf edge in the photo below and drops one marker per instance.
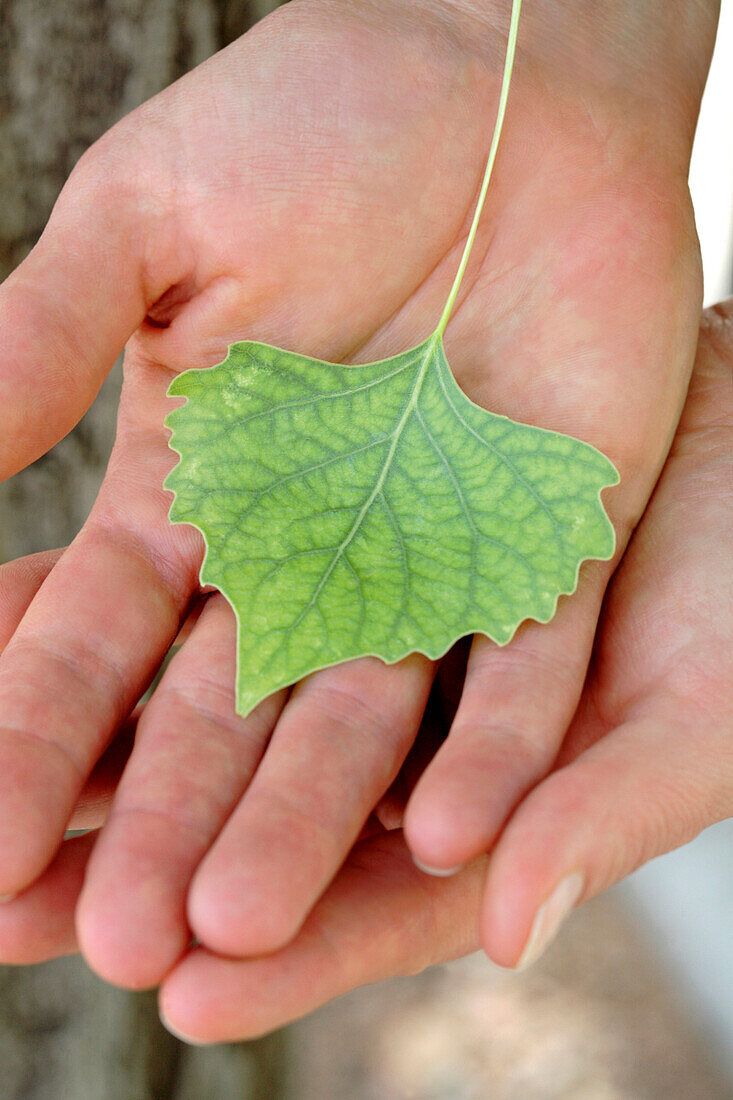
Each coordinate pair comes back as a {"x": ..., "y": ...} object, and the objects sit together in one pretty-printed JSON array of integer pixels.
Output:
[{"x": 247, "y": 701}]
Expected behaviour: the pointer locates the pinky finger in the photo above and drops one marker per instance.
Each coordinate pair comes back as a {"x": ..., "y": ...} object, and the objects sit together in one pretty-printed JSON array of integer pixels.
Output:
[
  {"x": 642, "y": 790},
  {"x": 39, "y": 923}
]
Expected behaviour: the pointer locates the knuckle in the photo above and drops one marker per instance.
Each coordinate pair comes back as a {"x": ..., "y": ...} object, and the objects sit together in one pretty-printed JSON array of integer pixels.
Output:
[
  {"x": 58, "y": 757},
  {"x": 370, "y": 730},
  {"x": 169, "y": 814},
  {"x": 342, "y": 706},
  {"x": 79, "y": 664},
  {"x": 317, "y": 837},
  {"x": 123, "y": 188},
  {"x": 172, "y": 575},
  {"x": 351, "y": 709},
  {"x": 491, "y": 740},
  {"x": 108, "y": 173},
  {"x": 206, "y": 699},
  {"x": 505, "y": 670}
]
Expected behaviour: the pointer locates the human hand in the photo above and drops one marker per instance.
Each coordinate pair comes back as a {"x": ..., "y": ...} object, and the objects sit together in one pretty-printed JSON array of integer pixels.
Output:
[
  {"x": 647, "y": 764},
  {"x": 191, "y": 225}
]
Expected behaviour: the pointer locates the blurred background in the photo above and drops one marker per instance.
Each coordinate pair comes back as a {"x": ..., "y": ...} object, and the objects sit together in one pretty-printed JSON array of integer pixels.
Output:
[{"x": 635, "y": 999}]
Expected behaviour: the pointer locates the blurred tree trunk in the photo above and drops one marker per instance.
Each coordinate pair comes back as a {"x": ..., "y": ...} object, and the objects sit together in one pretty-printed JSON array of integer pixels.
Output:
[{"x": 68, "y": 70}]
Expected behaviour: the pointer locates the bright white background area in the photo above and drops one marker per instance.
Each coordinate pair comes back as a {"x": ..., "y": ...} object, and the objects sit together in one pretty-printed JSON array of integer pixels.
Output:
[
  {"x": 687, "y": 896},
  {"x": 711, "y": 176}
]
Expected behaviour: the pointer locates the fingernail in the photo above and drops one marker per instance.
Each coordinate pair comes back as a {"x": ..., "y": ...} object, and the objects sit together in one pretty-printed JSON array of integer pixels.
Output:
[
  {"x": 7, "y": 897},
  {"x": 181, "y": 1035},
  {"x": 437, "y": 872},
  {"x": 550, "y": 916}
]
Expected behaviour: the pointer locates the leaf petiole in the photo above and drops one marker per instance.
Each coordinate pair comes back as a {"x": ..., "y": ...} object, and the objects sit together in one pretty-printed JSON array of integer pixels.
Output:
[{"x": 501, "y": 112}]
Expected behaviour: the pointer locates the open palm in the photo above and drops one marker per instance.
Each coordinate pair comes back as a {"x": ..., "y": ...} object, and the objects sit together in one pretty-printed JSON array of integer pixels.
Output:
[{"x": 311, "y": 186}]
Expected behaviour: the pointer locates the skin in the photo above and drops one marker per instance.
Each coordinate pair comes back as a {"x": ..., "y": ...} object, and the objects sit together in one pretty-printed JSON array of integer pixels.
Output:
[
  {"x": 646, "y": 765},
  {"x": 223, "y": 209}
]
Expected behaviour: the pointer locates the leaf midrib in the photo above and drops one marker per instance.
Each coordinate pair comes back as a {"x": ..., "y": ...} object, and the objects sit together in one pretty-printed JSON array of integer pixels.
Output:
[{"x": 430, "y": 349}]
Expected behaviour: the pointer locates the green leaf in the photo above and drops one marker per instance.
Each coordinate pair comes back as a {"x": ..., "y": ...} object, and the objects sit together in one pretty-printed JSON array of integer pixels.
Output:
[
  {"x": 354, "y": 510},
  {"x": 375, "y": 510}
]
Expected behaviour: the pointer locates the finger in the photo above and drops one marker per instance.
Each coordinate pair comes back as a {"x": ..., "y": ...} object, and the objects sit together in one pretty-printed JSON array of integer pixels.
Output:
[
  {"x": 67, "y": 311},
  {"x": 19, "y": 582},
  {"x": 337, "y": 747},
  {"x": 39, "y": 923},
  {"x": 381, "y": 917},
  {"x": 644, "y": 789},
  {"x": 626, "y": 795},
  {"x": 76, "y": 666},
  {"x": 390, "y": 810},
  {"x": 95, "y": 800},
  {"x": 515, "y": 709},
  {"x": 436, "y": 721},
  {"x": 193, "y": 757}
]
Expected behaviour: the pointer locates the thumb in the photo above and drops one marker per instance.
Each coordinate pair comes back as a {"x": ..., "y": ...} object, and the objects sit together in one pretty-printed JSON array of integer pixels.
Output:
[
  {"x": 68, "y": 309},
  {"x": 649, "y": 786}
]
